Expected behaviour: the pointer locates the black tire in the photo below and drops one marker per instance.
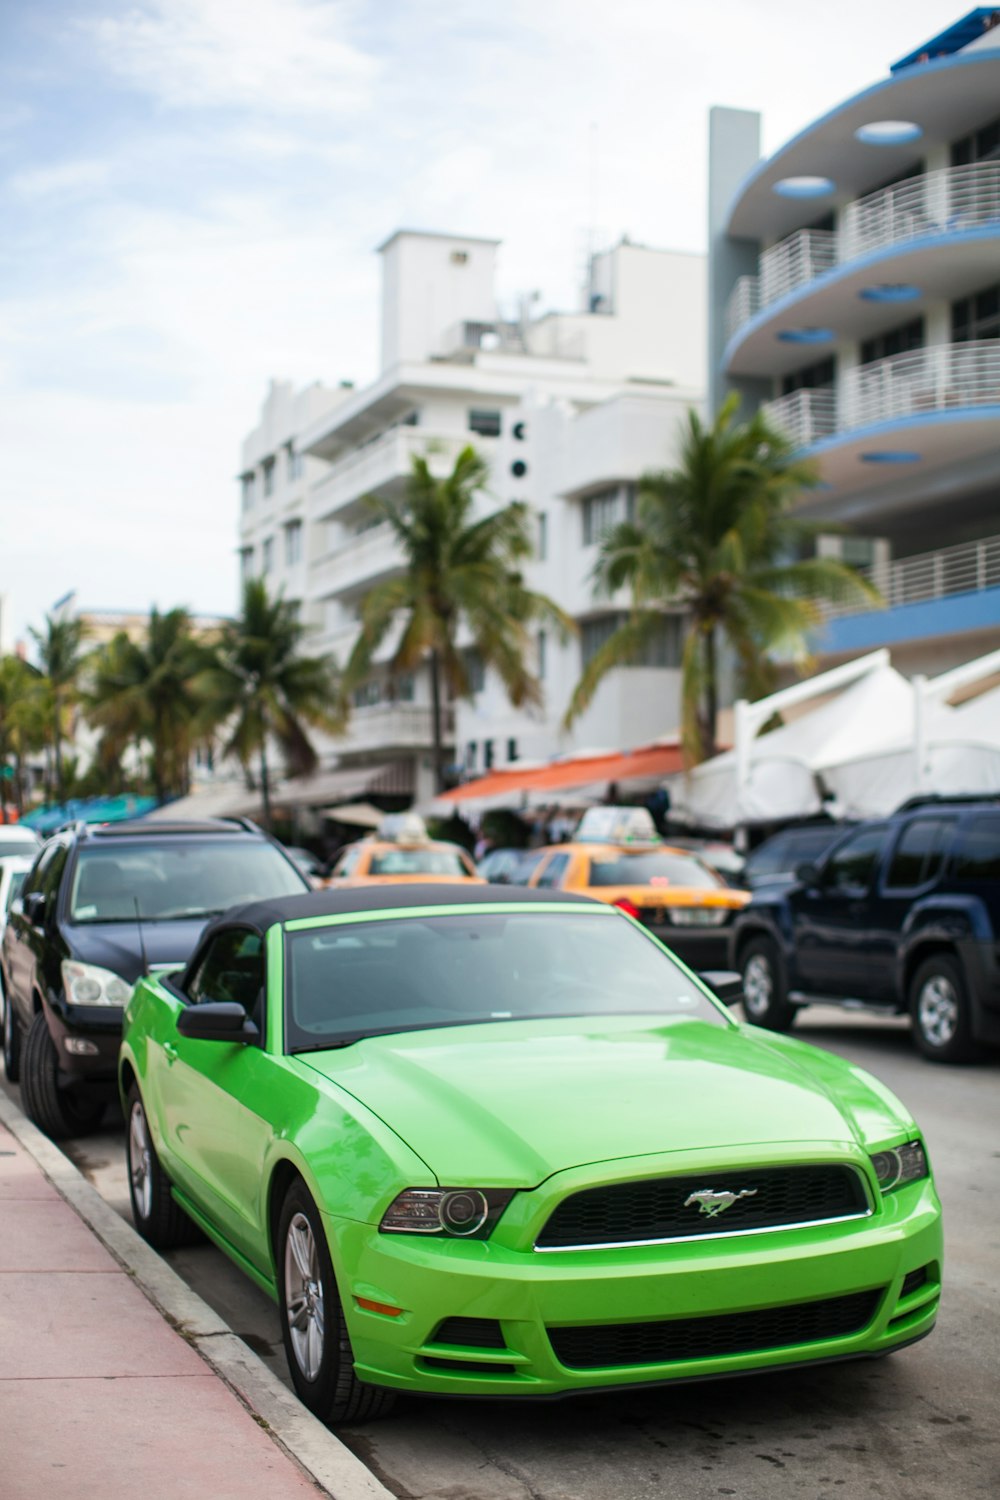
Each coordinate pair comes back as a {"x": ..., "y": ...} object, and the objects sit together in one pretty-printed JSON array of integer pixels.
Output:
[
  {"x": 62, "y": 1112},
  {"x": 765, "y": 1000},
  {"x": 11, "y": 1042},
  {"x": 161, "y": 1222},
  {"x": 317, "y": 1346},
  {"x": 940, "y": 1013}
]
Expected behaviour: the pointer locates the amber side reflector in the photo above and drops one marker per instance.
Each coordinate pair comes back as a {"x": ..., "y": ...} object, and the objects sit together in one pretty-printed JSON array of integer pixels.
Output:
[{"x": 379, "y": 1307}]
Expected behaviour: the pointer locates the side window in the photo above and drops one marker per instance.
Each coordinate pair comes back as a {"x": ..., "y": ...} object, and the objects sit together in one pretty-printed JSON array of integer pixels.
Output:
[
  {"x": 919, "y": 854},
  {"x": 36, "y": 875},
  {"x": 46, "y": 874},
  {"x": 977, "y": 856},
  {"x": 553, "y": 872},
  {"x": 853, "y": 865},
  {"x": 347, "y": 863},
  {"x": 231, "y": 968}
]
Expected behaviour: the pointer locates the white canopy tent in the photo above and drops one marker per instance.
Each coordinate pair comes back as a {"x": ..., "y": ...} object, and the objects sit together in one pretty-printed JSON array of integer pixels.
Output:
[{"x": 873, "y": 739}]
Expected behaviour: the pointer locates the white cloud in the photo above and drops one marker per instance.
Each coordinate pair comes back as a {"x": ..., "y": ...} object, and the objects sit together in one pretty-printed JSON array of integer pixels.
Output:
[{"x": 286, "y": 57}]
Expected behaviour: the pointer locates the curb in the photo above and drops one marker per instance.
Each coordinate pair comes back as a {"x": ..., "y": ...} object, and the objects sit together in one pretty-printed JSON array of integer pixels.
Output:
[{"x": 305, "y": 1439}]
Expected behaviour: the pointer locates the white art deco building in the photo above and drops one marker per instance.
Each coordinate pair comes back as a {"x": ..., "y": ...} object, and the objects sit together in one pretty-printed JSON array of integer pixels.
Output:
[{"x": 568, "y": 408}]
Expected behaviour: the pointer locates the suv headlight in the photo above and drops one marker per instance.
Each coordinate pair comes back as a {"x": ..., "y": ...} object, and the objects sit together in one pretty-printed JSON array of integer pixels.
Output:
[
  {"x": 900, "y": 1164},
  {"x": 462, "y": 1213},
  {"x": 86, "y": 984}
]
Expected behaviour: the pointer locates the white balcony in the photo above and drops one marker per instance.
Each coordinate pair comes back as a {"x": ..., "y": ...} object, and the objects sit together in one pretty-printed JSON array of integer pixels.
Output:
[
  {"x": 934, "y": 205},
  {"x": 384, "y": 463},
  {"x": 804, "y": 416},
  {"x": 942, "y": 377},
  {"x": 388, "y": 726},
  {"x": 356, "y": 564},
  {"x": 967, "y": 568}
]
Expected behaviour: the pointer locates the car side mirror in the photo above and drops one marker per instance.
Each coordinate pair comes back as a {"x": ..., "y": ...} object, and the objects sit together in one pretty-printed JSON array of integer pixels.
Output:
[
  {"x": 807, "y": 874},
  {"x": 725, "y": 985},
  {"x": 34, "y": 908},
  {"x": 217, "y": 1021}
]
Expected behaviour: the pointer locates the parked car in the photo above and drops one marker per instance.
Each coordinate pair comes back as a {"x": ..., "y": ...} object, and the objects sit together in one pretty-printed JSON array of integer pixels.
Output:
[
  {"x": 617, "y": 857},
  {"x": 402, "y": 850},
  {"x": 777, "y": 858},
  {"x": 101, "y": 905},
  {"x": 310, "y": 864},
  {"x": 719, "y": 855},
  {"x": 508, "y": 866},
  {"x": 488, "y": 1144},
  {"x": 902, "y": 913},
  {"x": 16, "y": 838},
  {"x": 13, "y": 869}
]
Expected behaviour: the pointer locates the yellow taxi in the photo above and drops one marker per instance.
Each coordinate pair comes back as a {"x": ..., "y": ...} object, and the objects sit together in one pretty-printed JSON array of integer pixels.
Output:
[
  {"x": 617, "y": 856},
  {"x": 400, "y": 851}
]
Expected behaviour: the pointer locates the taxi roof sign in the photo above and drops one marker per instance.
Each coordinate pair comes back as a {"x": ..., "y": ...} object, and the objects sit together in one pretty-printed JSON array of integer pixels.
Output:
[
  {"x": 403, "y": 828},
  {"x": 617, "y": 825}
]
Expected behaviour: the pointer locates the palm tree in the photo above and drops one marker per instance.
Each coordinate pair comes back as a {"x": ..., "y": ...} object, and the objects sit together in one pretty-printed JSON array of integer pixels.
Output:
[
  {"x": 715, "y": 537},
  {"x": 461, "y": 576},
  {"x": 60, "y": 654},
  {"x": 146, "y": 691},
  {"x": 261, "y": 687}
]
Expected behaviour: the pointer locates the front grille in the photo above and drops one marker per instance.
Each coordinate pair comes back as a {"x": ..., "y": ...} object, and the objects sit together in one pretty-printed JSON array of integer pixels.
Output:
[
  {"x": 466, "y": 1366},
  {"x": 658, "y": 1209},
  {"x": 474, "y": 1333},
  {"x": 615, "y": 1344}
]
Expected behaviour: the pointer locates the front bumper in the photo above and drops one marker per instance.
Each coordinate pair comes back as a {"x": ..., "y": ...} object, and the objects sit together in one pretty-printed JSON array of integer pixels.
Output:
[
  {"x": 86, "y": 1027},
  {"x": 532, "y": 1296}
]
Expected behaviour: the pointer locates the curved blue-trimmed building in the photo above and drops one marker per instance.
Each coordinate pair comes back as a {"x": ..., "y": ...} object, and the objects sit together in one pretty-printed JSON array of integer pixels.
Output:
[{"x": 855, "y": 294}]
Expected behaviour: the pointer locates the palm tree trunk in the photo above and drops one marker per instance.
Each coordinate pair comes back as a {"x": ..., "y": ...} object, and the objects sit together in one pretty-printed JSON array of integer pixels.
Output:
[
  {"x": 57, "y": 750},
  {"x": 711, "y": 698},
  {"x": 265, "y": 787},
  {"x": 438, "y": 754}
]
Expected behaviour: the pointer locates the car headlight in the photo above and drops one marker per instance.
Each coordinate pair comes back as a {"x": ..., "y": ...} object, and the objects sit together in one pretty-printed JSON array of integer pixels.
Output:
[
  {"x": 900, "y": 1164},
  {"x": 463, "y": 1213},
  {"x": 86, "y": 984}
]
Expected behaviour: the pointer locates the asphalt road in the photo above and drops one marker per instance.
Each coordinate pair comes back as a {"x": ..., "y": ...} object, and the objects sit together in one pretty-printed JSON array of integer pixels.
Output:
[{"x": 921, "y": 1425}]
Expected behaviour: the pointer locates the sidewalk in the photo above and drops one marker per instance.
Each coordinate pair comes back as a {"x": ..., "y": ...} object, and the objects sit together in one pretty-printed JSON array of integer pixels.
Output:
[{"x": 101, "y": 1397}]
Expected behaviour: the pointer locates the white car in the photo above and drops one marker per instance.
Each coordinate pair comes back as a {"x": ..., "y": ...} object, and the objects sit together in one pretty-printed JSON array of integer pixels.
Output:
[
  {"x": 16, "y": 839},
  {"x": 13, "y": 869}
]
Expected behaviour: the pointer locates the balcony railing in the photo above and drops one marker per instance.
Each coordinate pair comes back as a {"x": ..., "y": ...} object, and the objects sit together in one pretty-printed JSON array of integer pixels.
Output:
[
  {"x": 967, "y": 568},
  {"x": 940, "y": 378},
  {"x": 381, "y": 461},
  {"x": 941, "y": 202},
  {"x": 395, "y": 725},
  {"x": 356, "y": 563}
]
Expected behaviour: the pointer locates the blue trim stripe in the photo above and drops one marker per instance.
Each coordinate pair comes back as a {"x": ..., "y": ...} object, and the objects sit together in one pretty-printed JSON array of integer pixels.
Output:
[
  {"x": 953, "y": 614},
  {"x": 894, "y": 427}
]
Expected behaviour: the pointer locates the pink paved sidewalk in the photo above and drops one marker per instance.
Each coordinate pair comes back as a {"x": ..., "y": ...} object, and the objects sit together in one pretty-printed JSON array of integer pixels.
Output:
[{"x": 100, "y": 1398}]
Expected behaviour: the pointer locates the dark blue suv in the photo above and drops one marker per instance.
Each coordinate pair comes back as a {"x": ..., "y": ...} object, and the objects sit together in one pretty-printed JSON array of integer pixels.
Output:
[{"x": 903, "y": 913}]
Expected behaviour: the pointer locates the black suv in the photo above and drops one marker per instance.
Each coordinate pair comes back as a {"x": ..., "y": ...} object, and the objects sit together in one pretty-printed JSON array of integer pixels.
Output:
[
  {"x": 99, "y": 907},
  {"x": 903, "y": 913}
]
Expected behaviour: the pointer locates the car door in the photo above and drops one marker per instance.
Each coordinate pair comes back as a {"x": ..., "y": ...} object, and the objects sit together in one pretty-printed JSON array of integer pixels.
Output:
[
  {"x": 832, "y": 918},
  {"x": 209, "y": 1095},
  {"x": 911, "y": 871},
  {"x": 29, "y": 926}
]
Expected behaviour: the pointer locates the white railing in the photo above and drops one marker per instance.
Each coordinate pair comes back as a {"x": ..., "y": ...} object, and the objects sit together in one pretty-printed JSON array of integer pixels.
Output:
[
  {"x": 381, "y": 461},
  {"x": 943, "y": 202},
  {"x": 937, "y": 378},
  {"x": 804, "y": 416},
  {"x": 967, "y": 568},
  {"x": 360, "y": 559},
  {"x": 395, "y": 725}
]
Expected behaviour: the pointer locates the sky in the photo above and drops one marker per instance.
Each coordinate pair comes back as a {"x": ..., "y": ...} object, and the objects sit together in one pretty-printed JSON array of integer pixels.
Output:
[{"x": 192, "y": 192}]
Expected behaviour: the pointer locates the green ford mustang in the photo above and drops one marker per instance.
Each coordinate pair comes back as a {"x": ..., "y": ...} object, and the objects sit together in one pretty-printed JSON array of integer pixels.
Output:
[{"x": 485, "y": 1146}]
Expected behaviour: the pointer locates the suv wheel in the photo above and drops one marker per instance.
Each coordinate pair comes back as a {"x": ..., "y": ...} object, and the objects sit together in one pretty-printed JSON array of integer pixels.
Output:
[
  {"x": 939, "y": 1009},
  {"x": 11, "y": 1042},
  {"x": 62, "y": 1112},
  {"x": 764, "y": 1002}
]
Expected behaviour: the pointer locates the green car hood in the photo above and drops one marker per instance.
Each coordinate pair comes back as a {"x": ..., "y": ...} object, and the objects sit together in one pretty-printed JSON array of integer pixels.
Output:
[{"x": 508, "y": 1104}]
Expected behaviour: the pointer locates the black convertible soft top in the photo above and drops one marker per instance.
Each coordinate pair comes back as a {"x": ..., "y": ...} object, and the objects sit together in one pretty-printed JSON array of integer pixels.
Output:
[{"x": 332, "y": 902}]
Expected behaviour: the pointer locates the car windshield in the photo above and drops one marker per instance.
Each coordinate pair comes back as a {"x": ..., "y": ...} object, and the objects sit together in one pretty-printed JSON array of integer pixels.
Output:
[
  {"x": 183, "y": 878},
  {"x": 658, "y": 868},
  {"x": 417, "y": 862},
  {"x": 19, "y": 844},
  {"x": 349, "y": 980}
]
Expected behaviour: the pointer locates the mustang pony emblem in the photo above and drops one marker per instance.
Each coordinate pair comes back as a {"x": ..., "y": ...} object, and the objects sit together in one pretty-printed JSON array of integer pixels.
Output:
[{"x": 713, "y": 1204}]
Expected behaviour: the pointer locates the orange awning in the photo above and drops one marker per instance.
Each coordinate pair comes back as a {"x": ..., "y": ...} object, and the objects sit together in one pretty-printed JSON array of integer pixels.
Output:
[{"x": 648, "y": 763}]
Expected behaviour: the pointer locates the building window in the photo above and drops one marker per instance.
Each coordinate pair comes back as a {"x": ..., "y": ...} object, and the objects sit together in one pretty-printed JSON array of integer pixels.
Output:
[
  {"x": 901, "y": 340},
  {"x": 246, "y": 563},
  {"x": 605, "y": 509},
  {"x": 487, "y": 755},
  {"x": 543, "y": 651},
  {"x": 811, "y": 378},
  {"x": 470, "y": 755},
  {"x": 662, "y": 648},
  {"x": 294, "y": 463},
  {"x": 248, "y": 483},
  {"x": 981, "y": 145},
  {"x": 543, "y": 537},
  {"x": 267, "y": 470},
  {"x": 976, "y": 317},
  {"x": 405, "y": 688},
  {"x": 475, "y": 671},
  {"x": 368, "y": 694},
  {"x": 293, "y": 543},
  {"x": 485, "y": 423},
  {"x": 267, "y": 555},
  {"x": 512, "y": 750}
]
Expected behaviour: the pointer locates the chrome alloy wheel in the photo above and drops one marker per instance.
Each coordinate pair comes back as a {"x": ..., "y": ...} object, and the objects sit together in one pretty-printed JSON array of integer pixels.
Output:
[
  {"x": 938, "y": 1010},
  {"x": 140, "y": 1161},
  {"x": 304, "y": 1296},
  {"x": 758, "y": 985}
]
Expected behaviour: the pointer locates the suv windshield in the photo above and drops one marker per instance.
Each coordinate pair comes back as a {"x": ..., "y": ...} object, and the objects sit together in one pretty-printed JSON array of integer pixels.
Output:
[
  {"x": 653, "y": 869},
  {"x": 406, "y": 974},
  {"x": 182, "y": 878}
]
